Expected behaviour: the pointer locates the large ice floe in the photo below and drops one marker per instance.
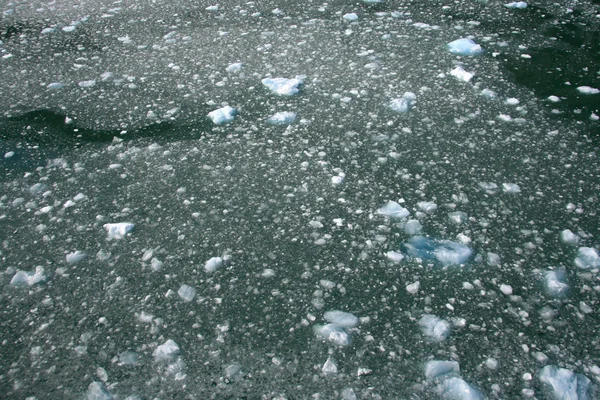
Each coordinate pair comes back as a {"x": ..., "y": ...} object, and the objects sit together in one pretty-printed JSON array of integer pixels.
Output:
[
  {"x": 446, "y": 252},
  {"x": 564, "y": 384}
]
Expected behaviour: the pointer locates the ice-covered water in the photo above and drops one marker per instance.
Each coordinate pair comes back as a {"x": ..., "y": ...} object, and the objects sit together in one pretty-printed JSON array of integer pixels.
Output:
[{"x": 299, "y": 199}]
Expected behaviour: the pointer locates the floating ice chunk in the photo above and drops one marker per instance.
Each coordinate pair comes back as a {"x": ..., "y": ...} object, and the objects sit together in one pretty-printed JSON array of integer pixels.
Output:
[
  {"x": 413, "y": 288},
  {"x": 213, "y": 264},
  {"x": 37, "y": 188},
  {"x": 435, "y": 327},
  {"x": 554, "y": 99},
  {"x": 129, "y": 358},
  {"x": 393, "y": 210},
  {"x": 222, "y": 115},
  {"x": 489, "y": 187},
  {"x": 166, "y": 351},
  {"x": 506, "y": 289},
  {"x": 464, "y": 47},
  {"x": 212, "y": 8},
  {"x": 118, "y": 230},
  {"x": 458, "y": 217},
  {"x": 156, "y": 264},
  {"x": 69, "y": 28},
  {"x": 373, "y": 1},
  {"x": 329, "y": 367},
  {"x": 512, "y": 101},
  {"x": 348, "y": 394},
  {"x": 436, "y": 369},
  {"x": 87, "y": 84},
  {"x": 76, "y": 256},
  {"x": 394, "y": 256},
  {"x": 403, "y": 104},
  {"x": 235, "y": 67},
  {"x": 338, "y": 179},
  {"x": 28, "y": 278},
  {"x": 490, "y": 94},
  {"x": 233, "y": 371},
  {"x": 412, "y": 227},
  {"x": 187, "y": 293},
  {"x": 97, "y": 391},
  {"x": 341, "y": 318},
  {"x": 565, "y": 384},
  {"x": 458, "y": 389},
  {"x": 284, "y": 86},
  {"x": 350, "y": 17},
  {"x": 587, "y": 90},
  {"x": 511, "y": 188},
  {"x": 445, "y": 251},
  {"x": 56, "y": 85},
  {"x": 46, "y": 31},
  {"x": 569, "y": 237},
  {"x": 587, "y": 257},
  {"x": 427, "y": 206},
  {"x": 516, "y": 4},
  {"x": 332, "y": 333},
  {"x": 282, "y": 118},
  {"x": 460, "y": 74},
  {"x": 555, "y": 282}
]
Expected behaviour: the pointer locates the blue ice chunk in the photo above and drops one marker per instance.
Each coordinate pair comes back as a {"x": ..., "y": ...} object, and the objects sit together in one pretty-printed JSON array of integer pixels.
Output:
[
  {"x": 587, "y": 257},
  {"x": 435, "y": 327},
  {"x": 341, "y": 318},
  {"x": 435, "y": 369},
  {"x": 284, "y": 86},
  {"x": 332, "y": 333},
  {"x": 516, "y": 4},
  {"x": 458, "y": 389},
  {"x": 393, "y": 210},
  {"x": 565, "y": 384},
  {"x": 444, "y": 251},
  {"x": 555, "y": 282},
  {"x": 404, "y": 103},
  {"x": 222, "y": 115},
  {"x": 464, "y": 47},
  {"x": 282, "y": 118}
]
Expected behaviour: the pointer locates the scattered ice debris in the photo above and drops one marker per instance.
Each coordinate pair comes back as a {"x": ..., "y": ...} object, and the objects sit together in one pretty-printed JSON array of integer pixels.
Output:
[
  {"x": 435, "y": 327},
  {"x": 444, "y": 251},
  {"x": 282, "y": 118},
  {"x": 332, "y": 333},
  {"x": 436, "y": 369},
  {"x": 565, "y": 384},
  {"x": 394, "y": 256},
  {"x": 555, "y": 282},
  {"x": 427, "y": 206},
  {"x": 458, "y": 389},
  {"x": 56, "y": 85},
  {"x": 341, "y": 318},
  {"x": 222, "y": 115},
  {"x": 284, "y": 86},
  {"x": 166, "y": 351},
  {"x": 235, "y": 67},
  {"x": 568, "y": 237},
  {"x": 587, "y": 257},
  {"x": 393, "y": 210},
  {"x": 511, "y": 188},
  {"x": 413, "y": 288},
  {"x": 458, "y": 217},
  {"x": 460, "y": 74},
  {"x": 329, "y": 367},
  {"x": 516, "y": 4},
  {"x": 28, "y": 278},
  {"x": 587, "y": 90},
  {"x": 75, "y": 257},
  {"x": 118, "y": 230},
  {"x": 350, "y": 17},
  {"x": 186, "y": 293},
  {"x": 412, "y": 227},
  {"x": 213, "y": 264},
  {"x": 97, "y": 391},
  {"x": 464, "y": 47},
  {"x": 403, "y": 104}
]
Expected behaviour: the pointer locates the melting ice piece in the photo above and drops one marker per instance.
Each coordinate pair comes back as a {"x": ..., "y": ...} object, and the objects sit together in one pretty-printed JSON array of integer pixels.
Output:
[
  {"x": 587, "y": 90},
  {"x": 350, "y": 17},
  {"x": 75, "y": 257},
  {"x": 213, "y": 264},
  {"x": 235, "y": 67},
  {"x": 511, "y": 188},
  {"x": 118, "y": 230},
  {"x": 394, "y": 256},
  {"x": 565, "y": 384},
  {"x": 97, "y": 391},
  {"x": 412, "y": 227},
  {"x": 329, "y": 367},
  {"x": 332, "y": 333},
  {"x": 445, "y": 251},
  {"x": 403, "y": 104},
  {"x": 464, "y": 47},
  {"x": 282, "y": 118},
  {"x": 341, "y": 318},
  {"x": 435, "y": 327},
  {"x": 458, "y": 217},
  {"x": 222, "y": 115},
  {"x": 458, "y": 389},
  {"x": 436, "y": 369},
  {"x": 489, "y": 187},
  {"x": 393, "y": 210},
  {"x": 166, "y": 351},
  {"x": 587, "y": 257},
  {"x": 55, "y": 85},
  {"x": 28, "y": 278},
  {"x": 516, "y": 4},
  {"x": 460, "y": 74},
  {"x": 555, "y": 282},
  {"x": 569, "y": 237},
  {"x": 427, "y": 206},
  {"x": 284, "y": 86},
  {"x": 187, "y": 293},
  {"x": 129, "y": 358}
]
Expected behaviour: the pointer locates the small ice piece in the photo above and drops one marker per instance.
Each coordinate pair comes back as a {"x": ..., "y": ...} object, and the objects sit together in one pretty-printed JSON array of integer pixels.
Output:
[
  {"x": 187, "y": 293},
  {"x": 87, "y": 84},
  {"x": 284, "y": 86},
  {"x": 282, "y": 118},
  {"x": 338, "y": 179},
  {"x": 435, "y": 327},
  {"x": 403, "y": 104},
  {"x": 506, "y": 289},
  {"x": 511, "y": 188},
  {"x": 373, "y": 1},
  {"x": 555, "y": 281},
  {"x": 490, "y": 94},
  {"x": 9, "y": 154},
  {"x": 233, "y": 371},
  {"x": 489, "y": 187},
  {"x": 212, "y": 8},
  {"x": 350, "y": 17},
  {"x": 97, "y": 391},
  {"x": 413, "y": 288},
  {"x": 587, "y": 90},
  {"x": 341, "y": 318},
  {"x": 129, "y": 358},
  {"x": 235, "y": 67},
  {"x": 222, "y": 115},
  {"x": 554, "y": 99},
  {"x": 458, "y": 389},
  {"x": 332, "y": 333},
  {"x": 464, "y": 47},
  {"x": 445, "y": 251},
  {"x": 213, "y": 264},
  {"x": 156, "y": 264},
  {"x": 516, "y": 4},
  {"x": 348, "y": 394},
  {"x": 55, "y": 85},
  {"x": 460, "y": 74},
  {"x": 393, "y": 210},
  {"x": 412, "y": 227},
  {"x": 28, "y": 278},
  {"x": 568, "y": 237},
  {"x": 565, "y": 384},
  {"x": 436, "y": 369},
  {"x": 69, "y": 28},
  {"x": 512, "y": 101},
  {"x": 394, "y": 256},
  {"x": 458, "y": 217},
  {"x": 587, "y": 257},
  {"x": 166, "y": 351},
  {"x": 329, "y": 367},
  {"x": 427, "y": 206},
  {"x": 46, "y": 31},
  {"x": 75, "y": 257},
  {"x": 118, "y": 230}
]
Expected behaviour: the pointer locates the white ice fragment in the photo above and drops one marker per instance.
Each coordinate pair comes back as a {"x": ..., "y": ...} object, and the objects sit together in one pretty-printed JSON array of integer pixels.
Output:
[
  {"x": 516, "y": 4},
  {"x": 413, "y": 288},
  {"x": 412, "y": 227},
  {"x": 506, "y": 289},
  {"x": 511, "y": 188},
  {"x": 427, "y": 206},
  {"x": 393, "y": 210},
  {"x": 329, "y": 367},
  {"x": 327, "y": 284},
  {"x": 166, "y": 351},
  {"x": 373, "y": 1},
  {"x": 491, "y": 363},
  {"x": 462, "y": 75},
  {"x": 458, "y": 217},
  {"x": 187, "y": 293},
  {"x": 394, "y": 256},
  {"x": 435, "y": 327},
  {"x": 46, "y": 31},
  {"x": 118, "y": 230},
  {"x": 555, "y": 282},
  {"x": 350, "y": 17},
  {"x": 56, "y": 85},
  {"x": 212, "y": 8},
  {"x": 341, "y": 318},
  {"x": 565, "y": 384},
  {"x": 101, "y": 374},
  {"x": 458, "y": 389},
  {"x": 222, "y": 115},
  {"x": 75, "y": 257},
  {"x": 79, "y": 197},
  {"x": 338, "y": 179},
  {"x": 436, "y": 369},
  {"x": 69, "y": 28},
  {"x": 282, "y": 118},
  {"x": 587, "y": 257},
  {"x": 28, "y": 278},
  {"x": 213, "y": 264},
  {"x": 512, "y": 101},
  {"x": 235, "y": 67},
  {"x": 87, "y": 84},
  {"x": 267, "y": 273},
  {"x": 568, "y": 237},
  {"x": 554, "y": 99},
  {"x": 284, "y": 86},
  {"x": 156, "y": 264},
  {"x": 464, "y": 47},
  {"x": 97, "y": 391},
  {"x": 587, "y": 90},
  {"x": 348, "y": 394},
  {"x": 490, "y": 94},
  {"x": 129, "y": 358},
  {"x": 489, "y": 187},
  {"x": 332, "y": 333},
  {"x": 403, "y": 104}
]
